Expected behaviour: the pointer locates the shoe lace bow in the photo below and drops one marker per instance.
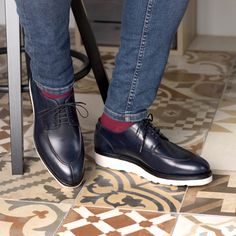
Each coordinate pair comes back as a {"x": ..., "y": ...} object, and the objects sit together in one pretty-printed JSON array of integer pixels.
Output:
[{"x": 149, "y": 128}]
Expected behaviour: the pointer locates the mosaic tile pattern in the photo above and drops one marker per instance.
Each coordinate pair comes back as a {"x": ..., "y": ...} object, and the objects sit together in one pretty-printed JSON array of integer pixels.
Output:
[
  {"x": 5, "y": 127},
  {"x": 184, "y": 114},
  {"x": 217, "y": 198},
  {"x": 220, "y": 142},
  {"x": 197, "y": 225},
  {"x": 19, "y": 218},
  {"x": 35, "y": 185},
  {"x": 229, "y": 93},
  {"x": 197, "y": 86},
  {"x": 118, "y": 203},
  {"x": 202, "y": 62},
  {"x": 110, "y": 188},
  {"x": 85, "y": 221}
]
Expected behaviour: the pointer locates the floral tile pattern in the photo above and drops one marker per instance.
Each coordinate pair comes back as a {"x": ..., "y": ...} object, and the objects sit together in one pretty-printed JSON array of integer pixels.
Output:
[
  {"x": 197, "y": 225},
  {"x": 110, "y": 188},
  {"x": 220, "y": 142},
  {"x": 19, "y": 218},
  {"x": 216, "y": 198},
  {"x": 35, "y": 185},
  {"x": 202, "y": 62},
  {"x": 197, "y": 86},
  {"x": 197, "y": 94},
  {"x": 184, "y": 114},
  {"x": 85, "y": 221}
]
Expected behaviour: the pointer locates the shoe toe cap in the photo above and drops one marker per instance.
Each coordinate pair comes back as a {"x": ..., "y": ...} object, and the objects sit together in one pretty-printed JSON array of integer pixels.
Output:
[
  {"x": 71, "y": 174},
  {"x": 67, "y": 174},
  {"x": 65, "y": 164},
  {"x": 198, "y": 166}
]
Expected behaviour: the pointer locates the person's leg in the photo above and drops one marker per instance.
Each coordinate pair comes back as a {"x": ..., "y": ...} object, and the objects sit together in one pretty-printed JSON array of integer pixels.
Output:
[
  {"x": 125, "y": 139},
  {"x": 47, "y": 42},
  {"x": 57, "y": 134},
  {"x": 148, "y": 27}
]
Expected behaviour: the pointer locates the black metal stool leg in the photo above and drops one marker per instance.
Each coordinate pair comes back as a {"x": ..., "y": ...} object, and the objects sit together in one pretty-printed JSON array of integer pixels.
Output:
[{"x": 90, "y": 47}]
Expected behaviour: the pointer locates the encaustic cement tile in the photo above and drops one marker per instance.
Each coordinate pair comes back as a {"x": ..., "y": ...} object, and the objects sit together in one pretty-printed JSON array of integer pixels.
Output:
[
  {"x": 5, "y": 124},
  {"x": 110, "y": 188},
  {"x": 20, "y": 218},
  {"x": 216, "y": 198},
  {"x": 197, "y": 86},
  {"x": 86, "y": 221},
  {"x": 35, "y": 184},
  {"x": 220, "y": 142},
  {"x": 230, "y": 91},
  {"x": 198, "y": 225},
  {"x": 199, "y": 62},
  {"x": 185, "y": 114}
]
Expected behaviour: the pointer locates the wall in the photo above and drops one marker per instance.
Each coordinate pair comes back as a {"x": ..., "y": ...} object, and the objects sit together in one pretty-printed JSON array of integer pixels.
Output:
[{"x": 216, "y": 17}]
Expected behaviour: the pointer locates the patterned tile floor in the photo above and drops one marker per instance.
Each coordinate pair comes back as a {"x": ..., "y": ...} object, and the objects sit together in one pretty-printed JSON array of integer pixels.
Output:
[{"x": 195, "y": 107}]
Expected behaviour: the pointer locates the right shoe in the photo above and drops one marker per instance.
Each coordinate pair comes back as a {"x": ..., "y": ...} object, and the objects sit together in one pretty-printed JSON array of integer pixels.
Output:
[
  {"x": 142, "y": 149},
  {"x": 57, "y": 136}
]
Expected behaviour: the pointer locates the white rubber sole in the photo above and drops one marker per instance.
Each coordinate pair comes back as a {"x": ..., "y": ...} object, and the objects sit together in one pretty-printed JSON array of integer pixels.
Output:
[{"x": 116, "y": 164}]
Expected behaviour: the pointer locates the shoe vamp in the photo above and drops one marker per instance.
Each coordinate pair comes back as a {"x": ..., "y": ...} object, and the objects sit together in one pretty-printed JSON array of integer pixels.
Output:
[
  {"x": 156, "y": 146},
  {"x": 167, "y": 157},
  {"x": 159, "y": 157},
  {"x": 172, "y": 151},
  {"x": 66, "y": 142}
]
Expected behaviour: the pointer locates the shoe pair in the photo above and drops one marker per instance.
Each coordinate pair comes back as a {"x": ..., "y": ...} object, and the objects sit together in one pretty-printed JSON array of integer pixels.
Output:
[{"x": 141, "y": 149}]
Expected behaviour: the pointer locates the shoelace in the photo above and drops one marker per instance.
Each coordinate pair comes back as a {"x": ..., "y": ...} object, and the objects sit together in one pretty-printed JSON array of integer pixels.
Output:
[
  {"x": 62, "y": 114},
  {"x": 151, "y": 129}
]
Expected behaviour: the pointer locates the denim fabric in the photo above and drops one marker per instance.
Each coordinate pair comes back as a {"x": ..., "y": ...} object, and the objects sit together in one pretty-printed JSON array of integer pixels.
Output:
[
  {"x": 46, "y": 27},
  {"x": 148, "y": 27}
]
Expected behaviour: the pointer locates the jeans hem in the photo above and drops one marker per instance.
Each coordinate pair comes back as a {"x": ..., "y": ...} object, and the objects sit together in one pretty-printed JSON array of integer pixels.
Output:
[
  {"x": 126, "y": 117},
  {"x": 55, "y": 90}
]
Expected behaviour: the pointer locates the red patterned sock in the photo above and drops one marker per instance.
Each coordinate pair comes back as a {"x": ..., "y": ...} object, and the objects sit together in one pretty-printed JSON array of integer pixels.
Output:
[{"x": 114, "y": 125}]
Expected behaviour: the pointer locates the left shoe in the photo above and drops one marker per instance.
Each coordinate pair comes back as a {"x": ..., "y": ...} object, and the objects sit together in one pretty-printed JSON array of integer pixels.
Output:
[
  {"x": 57, "y": 136},
  {"x": 143, "y": 150}
]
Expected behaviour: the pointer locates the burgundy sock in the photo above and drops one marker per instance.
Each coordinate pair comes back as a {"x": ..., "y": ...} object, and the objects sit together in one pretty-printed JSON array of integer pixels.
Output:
[
  {"x": 114, "y": 125},
  {"x": 56, "y": 96}
]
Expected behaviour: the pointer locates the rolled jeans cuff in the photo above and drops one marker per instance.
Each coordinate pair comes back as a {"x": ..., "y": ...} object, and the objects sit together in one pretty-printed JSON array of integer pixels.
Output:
[
  {"x": 55, "y": 90},
  {"x": 126, "y": 117}
]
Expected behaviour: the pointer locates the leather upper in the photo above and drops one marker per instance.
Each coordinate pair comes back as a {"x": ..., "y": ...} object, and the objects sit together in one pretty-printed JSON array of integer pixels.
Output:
[
  {"x": 145, "y": 146},
  {"x": 57, "y": 136}
]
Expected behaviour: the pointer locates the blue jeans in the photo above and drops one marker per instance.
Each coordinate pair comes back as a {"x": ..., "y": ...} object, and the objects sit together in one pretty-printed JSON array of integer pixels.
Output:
[{"x": 148, "y": 27}]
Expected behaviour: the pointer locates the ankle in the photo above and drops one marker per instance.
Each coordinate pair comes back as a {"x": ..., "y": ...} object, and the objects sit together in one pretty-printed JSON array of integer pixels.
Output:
[
  {"x": 50, "y": 95},
  {"x": 114, "y": 125}
]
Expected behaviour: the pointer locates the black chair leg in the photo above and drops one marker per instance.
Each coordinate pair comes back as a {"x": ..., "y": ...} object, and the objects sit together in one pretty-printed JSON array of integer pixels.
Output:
[{"x": 90, "y": 47}]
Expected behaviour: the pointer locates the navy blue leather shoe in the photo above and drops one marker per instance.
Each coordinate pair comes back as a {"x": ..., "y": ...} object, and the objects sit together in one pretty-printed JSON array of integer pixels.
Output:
[
  {"x": 143, "y": 150},
  {"x": 57, "y": 136}
]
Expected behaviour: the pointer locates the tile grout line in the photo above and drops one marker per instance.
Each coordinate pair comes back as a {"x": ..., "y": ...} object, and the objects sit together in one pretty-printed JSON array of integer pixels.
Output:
[
  {"x": 71, "y": 208},
  {"x": 178, "y": 214}
]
